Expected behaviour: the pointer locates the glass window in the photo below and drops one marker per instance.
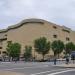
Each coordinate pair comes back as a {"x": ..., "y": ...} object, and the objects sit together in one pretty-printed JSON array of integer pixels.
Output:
[
  {"x": 0, "y": 52},
  {"x": 9, "y": 42},
  {"x": 54, "y": 27},
  {"x": 55, "y": 36},
  {"x": 67, "y": 39},
  {"x": 0, "y": 47}
]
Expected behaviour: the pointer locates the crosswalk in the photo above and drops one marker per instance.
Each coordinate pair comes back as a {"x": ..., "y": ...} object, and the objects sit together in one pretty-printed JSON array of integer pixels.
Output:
[
  {"x": 36, "y": 69},
  {"x": 61, "y": 72},
  {"x": 55, "y": 72}
]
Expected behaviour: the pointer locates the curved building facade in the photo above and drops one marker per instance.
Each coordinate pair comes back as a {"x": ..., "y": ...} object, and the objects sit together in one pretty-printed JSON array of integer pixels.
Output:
[{"x": 28, "y": 30}]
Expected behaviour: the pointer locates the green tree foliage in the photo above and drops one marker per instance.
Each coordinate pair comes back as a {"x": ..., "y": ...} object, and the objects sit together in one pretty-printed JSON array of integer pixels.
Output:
[
  {"x": 57, "y": 47},
  {"x": 28, "y": 52},
  {"x": 69, "y": 47},
  {"x": 9, "y": 43},
  {"x": 42, "y": 46},
  {"x": 13, "y": 49}
]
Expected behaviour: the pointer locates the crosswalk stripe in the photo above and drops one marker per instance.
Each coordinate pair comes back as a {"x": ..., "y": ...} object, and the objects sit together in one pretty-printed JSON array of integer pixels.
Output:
[
  {"x": 48, "y": 71},
  {"x": 61, "y": 72}
]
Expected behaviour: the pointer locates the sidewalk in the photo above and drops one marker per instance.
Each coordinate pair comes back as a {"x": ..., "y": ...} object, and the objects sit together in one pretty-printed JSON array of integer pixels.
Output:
[
  {"x": 9, "y": 73},
  {"x": 66, "y": 65}
]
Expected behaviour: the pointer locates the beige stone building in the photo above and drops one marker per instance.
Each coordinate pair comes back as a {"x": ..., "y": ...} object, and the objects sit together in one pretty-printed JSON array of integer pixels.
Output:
[{"x": 28, "y": 30}]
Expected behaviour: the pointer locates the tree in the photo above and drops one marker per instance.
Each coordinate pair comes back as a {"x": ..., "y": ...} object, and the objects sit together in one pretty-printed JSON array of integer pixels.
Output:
[
  {"x": 13, "y": 50},
  {"x": 9, "y": 43},
  {"x": 57, "y": 47},
  {"x": 42, "y": 46},
  {"x": 69, "y": 47},
  {"x": 28, "y": 52}
]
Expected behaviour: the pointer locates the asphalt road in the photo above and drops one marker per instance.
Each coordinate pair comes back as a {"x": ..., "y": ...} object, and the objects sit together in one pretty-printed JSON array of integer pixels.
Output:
[{"x": 36, "y": 68}]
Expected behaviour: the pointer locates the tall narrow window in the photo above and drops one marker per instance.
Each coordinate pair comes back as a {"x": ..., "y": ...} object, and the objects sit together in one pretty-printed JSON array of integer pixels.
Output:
[
  {"x": 67, "y": 39},
  {"x": 0, "y": 52}
]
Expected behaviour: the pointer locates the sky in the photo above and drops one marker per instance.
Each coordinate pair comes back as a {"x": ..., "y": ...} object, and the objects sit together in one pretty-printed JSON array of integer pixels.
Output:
[{"x": 61, "y": 12}]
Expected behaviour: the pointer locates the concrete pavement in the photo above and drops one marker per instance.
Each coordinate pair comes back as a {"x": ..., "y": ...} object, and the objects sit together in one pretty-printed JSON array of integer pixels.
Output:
[
  {"x": 34, "y": 68},
  {"x": 9, "y": 73},
  {"x": 66, "y": 65}
]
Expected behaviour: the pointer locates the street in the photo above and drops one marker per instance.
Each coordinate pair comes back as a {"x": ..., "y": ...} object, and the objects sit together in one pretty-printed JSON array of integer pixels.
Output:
[{"x": 36, "y": 68}]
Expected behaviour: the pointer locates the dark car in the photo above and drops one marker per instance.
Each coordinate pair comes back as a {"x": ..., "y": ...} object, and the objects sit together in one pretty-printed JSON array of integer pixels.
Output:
[
  {"x": 73, "y": 55},
  {"x": 0, "y": 58}
]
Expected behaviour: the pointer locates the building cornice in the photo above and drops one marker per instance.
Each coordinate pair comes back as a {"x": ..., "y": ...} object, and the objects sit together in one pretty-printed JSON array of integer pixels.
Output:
[
  {"x": 22, "y": 23},
  {"x": 41, "y": 21}
]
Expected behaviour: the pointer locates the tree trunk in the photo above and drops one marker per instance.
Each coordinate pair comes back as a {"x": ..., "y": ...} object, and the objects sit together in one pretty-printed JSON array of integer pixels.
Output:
[
  {"x": 55, "y": 58},
  {"x": 54, "y": 54},
  {"x": 43, "y": 57},
  {"x": 12, "y": 59},
  {"x": 58, "y": 56}
]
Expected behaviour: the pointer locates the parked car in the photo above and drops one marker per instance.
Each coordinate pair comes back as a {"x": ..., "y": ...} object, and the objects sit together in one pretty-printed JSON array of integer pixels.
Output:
[{"x": 0, "y": 58}]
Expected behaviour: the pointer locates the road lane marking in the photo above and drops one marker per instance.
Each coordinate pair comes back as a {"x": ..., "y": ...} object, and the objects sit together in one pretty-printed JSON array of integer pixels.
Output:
[
  {"x": 48, "y": 71},
  {"x": 61, "y": 72}
]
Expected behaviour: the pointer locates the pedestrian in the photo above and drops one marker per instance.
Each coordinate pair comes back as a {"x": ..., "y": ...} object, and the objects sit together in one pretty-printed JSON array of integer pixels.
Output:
[
  {"x": 67, "y": 60},
  {"x": 55, "y": 61}
]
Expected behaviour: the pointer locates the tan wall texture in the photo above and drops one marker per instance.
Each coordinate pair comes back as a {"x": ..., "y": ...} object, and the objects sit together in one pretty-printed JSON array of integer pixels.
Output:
[{"x": 30, "y": 29}]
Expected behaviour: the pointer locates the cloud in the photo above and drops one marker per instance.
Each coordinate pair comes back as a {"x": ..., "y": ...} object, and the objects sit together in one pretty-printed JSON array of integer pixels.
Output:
[{"x": 58, "y": 11}]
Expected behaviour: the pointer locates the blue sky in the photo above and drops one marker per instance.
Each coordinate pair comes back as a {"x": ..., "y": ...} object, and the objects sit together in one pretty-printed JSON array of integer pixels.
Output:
[{"x": 61, "y": 12}]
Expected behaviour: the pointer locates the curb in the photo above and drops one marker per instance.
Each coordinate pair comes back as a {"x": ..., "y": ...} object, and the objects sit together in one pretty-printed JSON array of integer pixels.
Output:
[{"x": 66, "y": 66}]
